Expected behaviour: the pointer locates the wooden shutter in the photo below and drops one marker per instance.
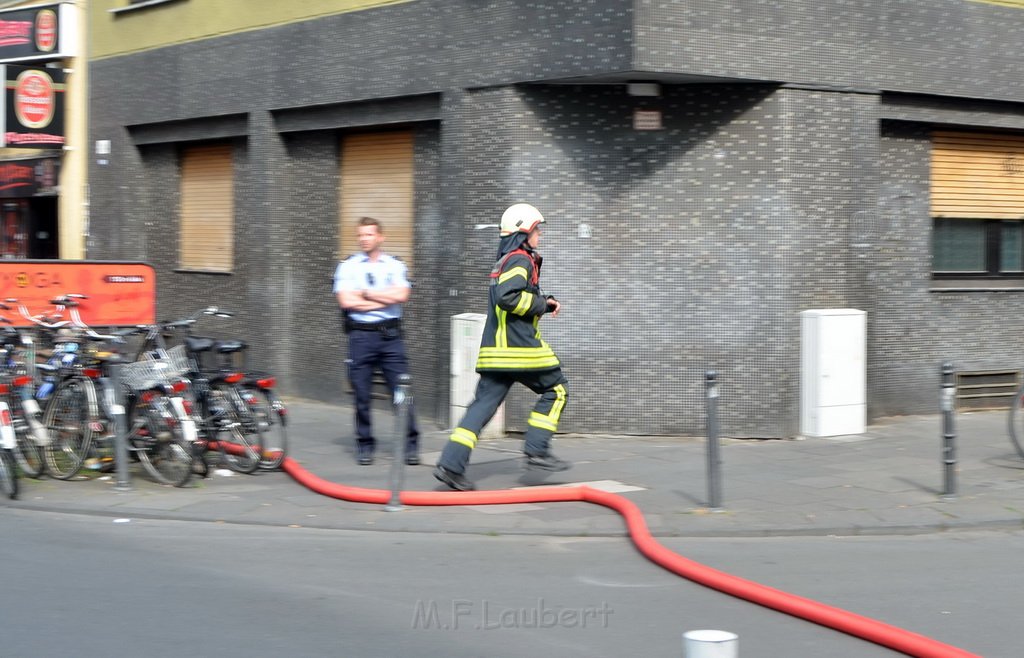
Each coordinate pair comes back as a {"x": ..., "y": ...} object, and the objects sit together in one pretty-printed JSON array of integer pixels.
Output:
[
  {"x": 377, "y": 181},
  {"x": 977, "y": 175},
  {"x": 206, "y": 242}
]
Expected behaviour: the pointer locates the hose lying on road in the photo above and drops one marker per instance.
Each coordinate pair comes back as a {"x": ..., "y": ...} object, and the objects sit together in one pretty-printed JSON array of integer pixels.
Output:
[{"x": 866, "y": 628}]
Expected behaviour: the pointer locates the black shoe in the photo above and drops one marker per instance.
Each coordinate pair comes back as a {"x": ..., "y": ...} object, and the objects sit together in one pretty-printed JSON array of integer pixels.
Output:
[
  {"x": 454, "y": 480},
  {"x": 547, "y": 462},
  {"x": 364, "y": 455},
  {"x": 412, "y": 451}
]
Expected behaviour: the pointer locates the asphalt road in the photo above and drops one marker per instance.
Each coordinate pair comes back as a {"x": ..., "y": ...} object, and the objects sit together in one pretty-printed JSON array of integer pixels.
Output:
[{"x": 93, "y": 586}]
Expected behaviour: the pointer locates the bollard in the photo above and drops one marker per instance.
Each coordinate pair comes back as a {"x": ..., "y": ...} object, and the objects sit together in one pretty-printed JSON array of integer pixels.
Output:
[
  {"x": 947, "y": 404},
  {"x": 114, "y": 397},
  {"x": 710, "y": 644},
  {"x": 714, "y": 461},
  {"x": 402, "y": 400}
]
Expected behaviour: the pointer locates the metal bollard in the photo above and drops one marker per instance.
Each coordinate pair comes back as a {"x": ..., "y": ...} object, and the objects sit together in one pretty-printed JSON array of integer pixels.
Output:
[
  {"x": 947, "y": 404},
  {"x": 714, "y": 461},
  {"x": 402, "y": 400},
  {"x": 710, "y": 644},
  {"x": 115, "y": 402}
]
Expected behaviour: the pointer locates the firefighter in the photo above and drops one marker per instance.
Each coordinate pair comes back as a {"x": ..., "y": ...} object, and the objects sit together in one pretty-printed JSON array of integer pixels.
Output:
[{"x": 511, "y": 351}]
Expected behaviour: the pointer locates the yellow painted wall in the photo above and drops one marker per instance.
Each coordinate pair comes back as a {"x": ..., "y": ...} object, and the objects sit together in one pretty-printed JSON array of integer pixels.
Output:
[
  {"x": 1019, "y": 4},
  {"x": 182, "y": 21},
  {"x": 73, "y": 204}
]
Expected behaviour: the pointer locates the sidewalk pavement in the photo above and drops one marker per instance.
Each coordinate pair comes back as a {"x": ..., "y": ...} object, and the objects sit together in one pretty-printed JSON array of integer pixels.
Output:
[{"x": 886, "y": 481}]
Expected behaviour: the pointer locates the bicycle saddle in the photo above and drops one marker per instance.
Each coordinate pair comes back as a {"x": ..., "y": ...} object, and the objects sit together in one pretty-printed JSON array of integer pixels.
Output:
[
  {"x": 231, "y": 346},
  {"x": 199, "y": 343}
]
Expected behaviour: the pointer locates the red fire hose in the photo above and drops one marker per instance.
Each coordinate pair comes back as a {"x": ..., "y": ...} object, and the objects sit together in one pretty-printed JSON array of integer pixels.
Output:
[{"x": 865, "y": 628}]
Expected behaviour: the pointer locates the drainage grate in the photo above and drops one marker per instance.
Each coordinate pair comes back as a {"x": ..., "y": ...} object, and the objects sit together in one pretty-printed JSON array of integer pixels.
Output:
[{"x": 986, "y": 389}]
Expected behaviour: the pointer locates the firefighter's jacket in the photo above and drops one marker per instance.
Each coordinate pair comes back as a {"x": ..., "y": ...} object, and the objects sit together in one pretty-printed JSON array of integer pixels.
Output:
[{"x": 511, "y": 339}]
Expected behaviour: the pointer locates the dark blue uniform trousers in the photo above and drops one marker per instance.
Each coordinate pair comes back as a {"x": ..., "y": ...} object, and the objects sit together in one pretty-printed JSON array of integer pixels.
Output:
[
  {"x": 367, "y": 349},
  {"x": 490, "y": 392}
]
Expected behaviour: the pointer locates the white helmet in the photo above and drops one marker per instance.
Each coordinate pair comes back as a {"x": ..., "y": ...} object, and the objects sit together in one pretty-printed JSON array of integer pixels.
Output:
[{"x": 520, "y": 218}]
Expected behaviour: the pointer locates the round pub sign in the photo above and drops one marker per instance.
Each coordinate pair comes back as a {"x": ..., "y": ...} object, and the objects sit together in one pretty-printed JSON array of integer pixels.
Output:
[
  {"x": 34, "y": 99},
  {"x": 46, "y": 30}
]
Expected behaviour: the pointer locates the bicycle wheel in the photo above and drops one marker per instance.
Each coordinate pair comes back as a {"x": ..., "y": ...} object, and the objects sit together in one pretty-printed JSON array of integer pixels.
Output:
[
  {"x": 8, "y": 474},
  {"x": 27, "y": 453},
  {"x": 238, "y": 437},
  {"x": 163, "y": 450},
  {"x": 67, "y": 421},
  {"x": 199, "y": 449},
  {"x": 1016, "y": 421},
  {"x": 266, "y": 410}
]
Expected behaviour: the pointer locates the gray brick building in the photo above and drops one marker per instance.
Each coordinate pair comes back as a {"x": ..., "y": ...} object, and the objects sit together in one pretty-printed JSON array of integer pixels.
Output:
[{"x": 790, "y": 168}]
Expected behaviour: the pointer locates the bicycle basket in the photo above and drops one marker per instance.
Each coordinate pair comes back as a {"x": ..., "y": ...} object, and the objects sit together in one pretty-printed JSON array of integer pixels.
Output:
[
  {"x": 143, "y": 375},
  {"x": 178, "y": 359}
]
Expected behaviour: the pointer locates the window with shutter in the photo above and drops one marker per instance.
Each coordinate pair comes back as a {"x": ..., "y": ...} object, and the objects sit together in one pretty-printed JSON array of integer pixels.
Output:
[
  {"x": 977, "y": 204},
  {"x": 377, "y": 181},
  {"x": 206, "y": 239}
]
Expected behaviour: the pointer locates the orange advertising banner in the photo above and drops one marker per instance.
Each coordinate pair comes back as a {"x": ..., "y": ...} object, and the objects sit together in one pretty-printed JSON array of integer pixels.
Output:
[{"x": 118, "y": 293}]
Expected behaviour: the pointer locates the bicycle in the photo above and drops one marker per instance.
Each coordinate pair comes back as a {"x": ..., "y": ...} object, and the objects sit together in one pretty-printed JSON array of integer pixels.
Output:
[
  {"x": 8, "y": 467},
  {"x": 207, "y": 399},
  {"x": 248, "y": 397},
  {"x": 62, "y": 363},
  {"x": 160, "y": 429},
  {"x": 270, "y": 413},
  {"x": 17, "y": 368}
]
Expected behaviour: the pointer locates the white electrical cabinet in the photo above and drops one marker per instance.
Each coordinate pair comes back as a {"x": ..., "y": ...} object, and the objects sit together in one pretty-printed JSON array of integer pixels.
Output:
[
  {"x": 833, "y": 375},
  {"x": 467, "y": 329}
]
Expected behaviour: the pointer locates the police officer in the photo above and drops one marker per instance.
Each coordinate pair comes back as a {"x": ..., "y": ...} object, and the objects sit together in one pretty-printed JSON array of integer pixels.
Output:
[
  {"x": 371, "y": 288},
  {"x": 511, "y": 350}
]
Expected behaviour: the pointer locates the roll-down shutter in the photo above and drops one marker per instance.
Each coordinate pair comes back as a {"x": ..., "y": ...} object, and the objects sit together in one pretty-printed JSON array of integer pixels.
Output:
[
  {"x": 377, "y": 181},
  {"x": 207, "y": 209},
  {"x": 977, "y": 175}
]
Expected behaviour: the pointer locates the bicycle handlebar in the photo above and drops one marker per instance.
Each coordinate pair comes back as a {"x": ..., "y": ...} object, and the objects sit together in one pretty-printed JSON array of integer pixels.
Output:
[
  {"x": 76, "y": 317},
  {"x": 47, "y": 322},
  {"x": 192, "y": 319}
]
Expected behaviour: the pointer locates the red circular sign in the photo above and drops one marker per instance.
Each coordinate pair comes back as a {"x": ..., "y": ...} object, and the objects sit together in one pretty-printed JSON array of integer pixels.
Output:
[
  {"x": 46, "y": 30},
  {"x": 34, "y": 99}
]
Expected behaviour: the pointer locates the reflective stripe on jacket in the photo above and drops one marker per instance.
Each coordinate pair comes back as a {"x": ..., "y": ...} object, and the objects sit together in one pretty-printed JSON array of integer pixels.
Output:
[{"x": 511, "y": 339}]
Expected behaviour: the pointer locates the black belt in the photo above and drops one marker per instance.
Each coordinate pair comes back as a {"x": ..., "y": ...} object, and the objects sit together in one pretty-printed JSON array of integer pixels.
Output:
[{"x": 383, "y": 325}]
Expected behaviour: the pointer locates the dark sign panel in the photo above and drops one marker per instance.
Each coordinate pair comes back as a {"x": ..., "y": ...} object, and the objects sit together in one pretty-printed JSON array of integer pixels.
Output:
[
  {"x": 33, "y": 107},
  {"x": 29, "y": 177},
  {"x": 39, "y": 32}
]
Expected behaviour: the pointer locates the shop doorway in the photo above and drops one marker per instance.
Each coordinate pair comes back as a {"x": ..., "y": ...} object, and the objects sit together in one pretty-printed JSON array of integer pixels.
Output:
[
  {"x": 14, "y": 229},
  {"x": 42, "y": 239},
  {"x": 28, "y": 228}
]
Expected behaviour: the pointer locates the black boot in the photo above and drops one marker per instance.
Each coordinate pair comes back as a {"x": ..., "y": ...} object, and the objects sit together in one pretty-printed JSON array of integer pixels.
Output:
[
  {"x": 456, "y": 481},
  {"x": 547, "y": 462}
]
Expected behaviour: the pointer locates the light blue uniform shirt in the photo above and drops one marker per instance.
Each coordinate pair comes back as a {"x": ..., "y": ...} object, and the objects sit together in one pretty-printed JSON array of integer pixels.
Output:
[{"x": 358, "y": 273}]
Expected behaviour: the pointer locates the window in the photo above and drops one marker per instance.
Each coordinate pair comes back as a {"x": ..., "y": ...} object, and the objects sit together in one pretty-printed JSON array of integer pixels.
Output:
[
  {"x": 133, "y": 5},
  {"x": 977, "y": 205},
  {"x": 206, "y": 239},
  {"x": 377, "y": 181},
  {"x": 984, "y": 247}
]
